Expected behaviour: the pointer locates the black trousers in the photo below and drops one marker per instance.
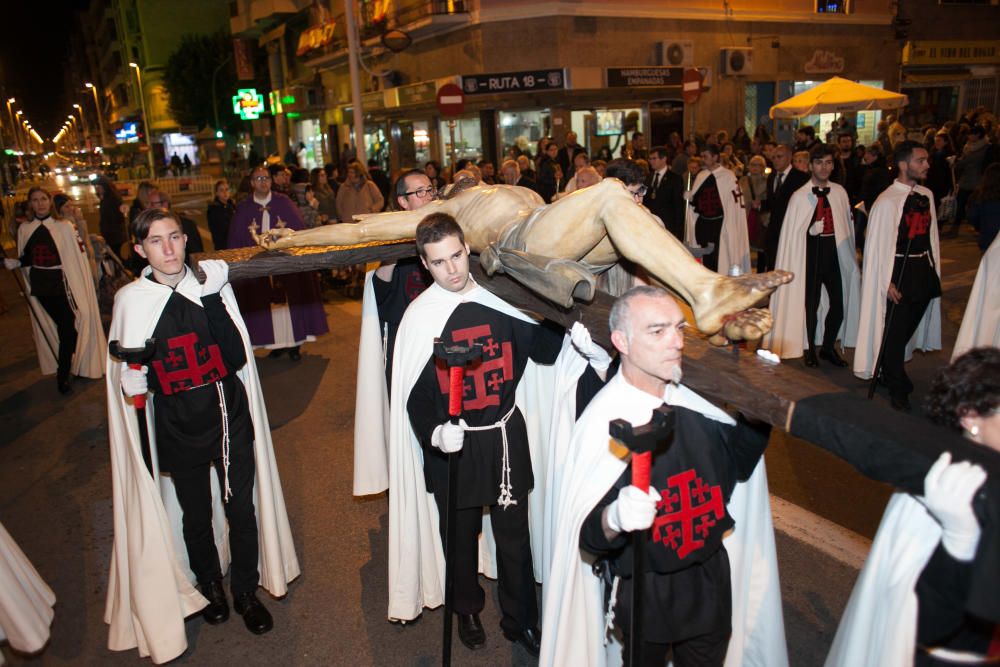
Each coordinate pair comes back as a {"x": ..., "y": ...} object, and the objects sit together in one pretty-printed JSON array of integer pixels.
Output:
[
  {"x": 702, "y": 651},
  {"x": 515, "y": 574},
  {"x": 709, "y": 231},
  {"x": 59, "y": 310},
  {"x": 823, "y": 270},
  {"x": 906, "y": 316},
  {"x": 194, "y": 493}
]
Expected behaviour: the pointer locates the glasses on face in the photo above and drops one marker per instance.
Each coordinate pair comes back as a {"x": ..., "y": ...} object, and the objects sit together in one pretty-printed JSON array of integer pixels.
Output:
[
  {"x": 422, "y": 193},
  {"x": 261, "y": 179},
  {"x": 639, "y": 191}
]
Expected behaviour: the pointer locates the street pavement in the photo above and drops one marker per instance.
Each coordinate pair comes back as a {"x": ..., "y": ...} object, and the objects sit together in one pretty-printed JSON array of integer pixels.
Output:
[{"x": 55, "y": 502}]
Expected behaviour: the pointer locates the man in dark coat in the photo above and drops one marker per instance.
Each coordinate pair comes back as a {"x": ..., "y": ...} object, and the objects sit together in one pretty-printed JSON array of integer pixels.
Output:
[
  {"x": 665, "y": 192},
  {"x": 783, "y": 181}
]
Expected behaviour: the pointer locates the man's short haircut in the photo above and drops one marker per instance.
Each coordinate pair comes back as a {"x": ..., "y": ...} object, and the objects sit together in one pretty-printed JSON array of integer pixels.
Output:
[
  {"x": 659, "y": 150},
  {"x": 400, "y": 188},
  {"x": 846, "y": 134},
  {"x": 273, "y": 169},
  {"x": 808, "y": 130},
  {"x": 619, "y": 320},
  {"x": 713, "y": 149},
  {"x": 437, "y": 227},
  {"x": 820, "y": 151},
  {"x": 627, "y": 171},
  {"x": 904, "y": 151},
  {"x": 140, "y": 226},
  {"x": 509, "y": 164}
]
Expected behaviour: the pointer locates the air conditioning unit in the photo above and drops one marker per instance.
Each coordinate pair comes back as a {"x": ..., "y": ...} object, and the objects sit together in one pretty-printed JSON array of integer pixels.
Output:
[
  {"x": 737, "y": 61},
  {"x": 677, "y": 53}
]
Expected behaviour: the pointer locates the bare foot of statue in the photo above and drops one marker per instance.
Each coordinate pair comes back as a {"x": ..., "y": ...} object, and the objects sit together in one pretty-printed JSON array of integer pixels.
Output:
[{"x": 728, "y": 302}]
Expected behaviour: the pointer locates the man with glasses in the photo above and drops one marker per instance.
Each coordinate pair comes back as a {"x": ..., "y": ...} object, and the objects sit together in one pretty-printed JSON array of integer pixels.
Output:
[
  {"x": 281, "y": 312},
  {"x": 388, "y": 291},
  {"x": 716, "y": 215}
]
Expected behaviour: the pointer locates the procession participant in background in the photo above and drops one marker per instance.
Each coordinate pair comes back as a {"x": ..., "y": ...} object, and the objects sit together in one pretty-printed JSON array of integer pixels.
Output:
[
  {"x": 67, "y": 209},
  {"x": 26, "y": 601},
  {"x": 388, "y": 291},
  {"x": 715, "y": 214},
  {"x": 495, "y": 464},
  {"x": 817, "y": 245},
  {"x": 901, "y": 305},
  {"x": 211, "y": 438},
  {"x": 981, "y": 321},
  {"x": 281, "y": 312},
  {"x": 707, "y": 598},
  {"x": 66, "y": 321},
  {"x": 161, "y": 200}
]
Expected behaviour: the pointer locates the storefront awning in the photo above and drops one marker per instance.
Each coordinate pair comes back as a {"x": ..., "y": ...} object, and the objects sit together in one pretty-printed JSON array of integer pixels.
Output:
[{"x": 838, "y": 96}]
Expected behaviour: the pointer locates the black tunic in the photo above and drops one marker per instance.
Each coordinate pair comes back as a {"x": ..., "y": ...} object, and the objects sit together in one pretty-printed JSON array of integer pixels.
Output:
[
  {"x": 919, "y": 280},
  {"x": 687, "y": 579},
  {"x": 197, "y": 349},
  {"x": 409, "y": 280},
  {"x": 489, "y": 389},
  {"x": 706, "y": 201},
  {"x": 42, "y": 255}
]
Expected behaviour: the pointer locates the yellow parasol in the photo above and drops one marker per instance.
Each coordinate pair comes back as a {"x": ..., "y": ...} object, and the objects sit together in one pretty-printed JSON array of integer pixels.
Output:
[{"x": 838, "y": 96}]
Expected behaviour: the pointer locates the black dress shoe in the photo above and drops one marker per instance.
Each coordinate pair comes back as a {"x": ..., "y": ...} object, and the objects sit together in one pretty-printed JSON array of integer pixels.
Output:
[
  {"x": 294, "y": 354},
  {"x": 64, "y": 386},
  {"x": 274, "y": 354},
  {"x": 810, "y": 359},
  {"x": 830, "y": 355},
  {"x": 900, "y": 403},
  {"x": 217, "y": 610},
  {"x": 529, "y": 639},
  {"x": 255, "y": 616},
  {"x": 470, "y": 631}
]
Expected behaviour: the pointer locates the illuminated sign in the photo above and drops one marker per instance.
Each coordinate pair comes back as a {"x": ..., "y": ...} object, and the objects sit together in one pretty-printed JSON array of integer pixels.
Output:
[
  {"x": 248, "y": 104},
  {"x": 315, "y": 38},
  {"x": 128, "y": 134}
]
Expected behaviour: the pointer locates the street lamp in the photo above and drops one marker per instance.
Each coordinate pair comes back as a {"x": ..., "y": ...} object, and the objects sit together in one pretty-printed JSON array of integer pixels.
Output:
[
  {"x": 13, "y": 124},
  {"x": 97, "y": 109},
  {"x": 83, "y": 124},
  {"x": 145, "y": 120}
]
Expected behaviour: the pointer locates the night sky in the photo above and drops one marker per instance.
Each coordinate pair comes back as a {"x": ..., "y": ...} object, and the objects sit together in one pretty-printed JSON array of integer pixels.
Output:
[{"x": 32, "y": 52}]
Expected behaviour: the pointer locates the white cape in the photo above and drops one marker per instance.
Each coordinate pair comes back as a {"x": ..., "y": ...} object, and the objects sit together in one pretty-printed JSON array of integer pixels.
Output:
[
  {"x": 25, "y": 600},
  {"x": 981, "y": 322},
  {"x": 371, "y": 403},
  {"x": 880, "y": 253},
  {"x": 788, "y": 337},
  {"x": 416, "y": 557},
  {"x": 151, "y": 588},
  {"x": 734, "y": 241},
  {"x": 879, "y": 625},
  {"x": 91, "y": 345},
  {"x": 573, "y": 597}
]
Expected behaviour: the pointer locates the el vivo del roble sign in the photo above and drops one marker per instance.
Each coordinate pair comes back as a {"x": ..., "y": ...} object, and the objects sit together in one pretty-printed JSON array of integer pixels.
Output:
[
  {"x": 513, "y": 82},
  {"x": 636, "y": 77}
]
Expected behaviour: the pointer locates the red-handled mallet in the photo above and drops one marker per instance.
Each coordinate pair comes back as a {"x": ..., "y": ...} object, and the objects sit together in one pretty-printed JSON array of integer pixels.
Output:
[
  {"x": 136, "y": 358},
  {"x": 456, "y": 358},
  {"x": 642, "y": 441}
]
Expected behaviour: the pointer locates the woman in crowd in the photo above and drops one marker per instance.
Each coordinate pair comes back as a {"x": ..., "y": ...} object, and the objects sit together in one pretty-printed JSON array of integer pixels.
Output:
[
  {"x": 301, "y": 193},
  {"x": 940, "y": 179},
  {"x": 984, "y": 206},
  {"x": 754, "y": 188},
  {"x": 112, "y": 223},
  {"x": 141, "y": 201},
  {"x": 433, "y": 171},
  {"x": 358, "y": 194},
  {"x": 219, "y": 214},
  {"x": 324, "y": 194}
]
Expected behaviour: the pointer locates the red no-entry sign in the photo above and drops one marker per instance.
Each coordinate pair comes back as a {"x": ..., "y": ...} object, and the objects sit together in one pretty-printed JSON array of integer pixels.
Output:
[
  {"x": 450, "y": 100},
  {"x": 691, "y": 85}
]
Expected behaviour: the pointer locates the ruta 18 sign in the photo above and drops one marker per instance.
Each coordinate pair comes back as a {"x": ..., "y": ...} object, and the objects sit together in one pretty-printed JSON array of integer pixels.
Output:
[{"x": 248, "y": 103}]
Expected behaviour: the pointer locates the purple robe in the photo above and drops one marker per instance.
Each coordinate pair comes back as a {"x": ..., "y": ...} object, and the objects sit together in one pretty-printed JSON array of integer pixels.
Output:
[{"x": 255, "y": 295}]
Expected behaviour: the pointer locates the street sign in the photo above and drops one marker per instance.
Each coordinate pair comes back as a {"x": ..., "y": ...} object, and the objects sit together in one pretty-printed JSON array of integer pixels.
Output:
[
  {"x": 450, "y": 100},
  {"x": 514, "y": 82},
  {"x": 644, "y": 77},
  {"x": 691, "y": 86}
]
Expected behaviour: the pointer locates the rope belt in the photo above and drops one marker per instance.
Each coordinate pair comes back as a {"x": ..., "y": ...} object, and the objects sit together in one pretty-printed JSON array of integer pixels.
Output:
[
  {"x": 506, "y": 497},
  {"x": 919, "y": 254},
  {"x": 225, "y": 440}
]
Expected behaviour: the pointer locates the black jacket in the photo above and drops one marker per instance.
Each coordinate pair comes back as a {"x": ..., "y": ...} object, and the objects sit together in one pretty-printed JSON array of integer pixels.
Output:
[
  {"x": 777, "y": 203},
  {"x": 219, "y": 216},
  {"x": 667, "y": 202}
]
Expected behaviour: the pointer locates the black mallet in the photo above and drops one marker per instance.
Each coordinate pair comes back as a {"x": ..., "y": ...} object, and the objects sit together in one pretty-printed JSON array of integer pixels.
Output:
[
  {"x": 456, "y": 358},
  {"x": 642, "y": 441},
  {"x": 136, "y": 358}
]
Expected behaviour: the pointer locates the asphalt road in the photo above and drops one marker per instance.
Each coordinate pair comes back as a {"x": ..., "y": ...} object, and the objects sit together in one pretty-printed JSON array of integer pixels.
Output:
[{"x": 55, "y": 502}]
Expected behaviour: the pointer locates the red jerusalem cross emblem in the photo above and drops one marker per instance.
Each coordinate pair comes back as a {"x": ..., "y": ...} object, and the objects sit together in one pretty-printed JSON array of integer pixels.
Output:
[
  {"x": 188, "y": 365},
  {"x": 485, "y": 379},
  {"x": 689, "y": 510}
]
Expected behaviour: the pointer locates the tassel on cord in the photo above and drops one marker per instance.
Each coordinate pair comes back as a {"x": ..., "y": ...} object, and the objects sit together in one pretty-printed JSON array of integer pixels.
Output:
[
  {"x": 609, "y": 617},
  {"x": 228, "y": 492},
  {"x": 506, "y": 497}
]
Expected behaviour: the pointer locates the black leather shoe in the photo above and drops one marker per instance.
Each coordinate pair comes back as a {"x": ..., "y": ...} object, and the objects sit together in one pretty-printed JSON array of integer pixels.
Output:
[
  {"x": 810, "y": 359},
  {"x": 217, "y": 610},
  {"x": 470, "y": 631},
  {"x": 255, "y": 616},
  {"x": 274, "y": 354},
  {"x": 294, "y": 354},
  {"x": 64, "y": 386},
  {"x": 900, "y": 403},
  {"x": 831, "y": 356},
  {"x": 529, "y": 639}
]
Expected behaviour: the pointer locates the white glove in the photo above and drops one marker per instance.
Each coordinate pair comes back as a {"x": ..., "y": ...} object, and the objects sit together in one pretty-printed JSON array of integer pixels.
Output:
[
  {"x": 134, "y": 381},
  {"x": 948, "y": 491},
  {"x": 216, "y": 275},
  {"x": 633, "y": 510},
  {"x": 11, "y": 264},
  {"x": 816, "y": 228},
  {"x": 593, "y": 353},
  {"x": 449, "y": 437}
]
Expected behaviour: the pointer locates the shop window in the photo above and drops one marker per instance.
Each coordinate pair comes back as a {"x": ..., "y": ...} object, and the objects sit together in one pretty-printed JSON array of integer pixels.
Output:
[
  {"x": 832, "y": 6},
  {"x": 468, "y": 140},
  {"x": 522, "y": 130}
]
